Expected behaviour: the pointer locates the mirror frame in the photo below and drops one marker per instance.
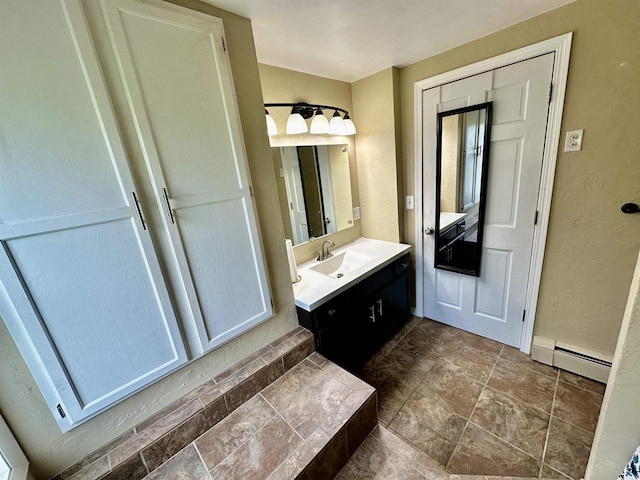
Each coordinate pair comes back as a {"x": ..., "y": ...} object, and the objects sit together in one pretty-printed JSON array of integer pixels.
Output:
[{"x": 483, "y": 184}]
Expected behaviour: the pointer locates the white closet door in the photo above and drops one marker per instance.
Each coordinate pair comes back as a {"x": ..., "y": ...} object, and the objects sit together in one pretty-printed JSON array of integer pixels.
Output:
[
  {"x": 81, "y": 289},
  {"x": 177, "y": 76}
]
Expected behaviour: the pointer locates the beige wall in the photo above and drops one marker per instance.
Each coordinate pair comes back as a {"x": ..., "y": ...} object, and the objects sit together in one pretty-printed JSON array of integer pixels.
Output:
[
  {"x": 379, "y": 165},
  {"x": 21, "y": 403},
  {"x": 591, "y": 246},
  {"x": 282, "y": 85},
  {"x": 618, "y": 431}
]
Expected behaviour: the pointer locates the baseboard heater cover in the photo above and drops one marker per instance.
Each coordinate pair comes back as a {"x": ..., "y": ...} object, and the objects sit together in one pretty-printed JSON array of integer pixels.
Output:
[{"x": 550, "y": 352}]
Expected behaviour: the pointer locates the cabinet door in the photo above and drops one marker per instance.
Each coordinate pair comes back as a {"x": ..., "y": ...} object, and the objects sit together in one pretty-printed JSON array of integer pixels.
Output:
[
  {"x": 392, "y": 304},
  {"x": 177, "y": 77},
  {"x": 81, "y": 288}
]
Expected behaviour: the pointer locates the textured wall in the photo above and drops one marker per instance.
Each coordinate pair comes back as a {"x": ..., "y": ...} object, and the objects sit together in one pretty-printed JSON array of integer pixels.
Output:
[
  {"x": 21, "y": 404},
  {"x": 618, "y": 432},
  {"x": 379, "y": 183},
  {"x": 591, "y": 246},
  {"x": 286, "y": 86}
]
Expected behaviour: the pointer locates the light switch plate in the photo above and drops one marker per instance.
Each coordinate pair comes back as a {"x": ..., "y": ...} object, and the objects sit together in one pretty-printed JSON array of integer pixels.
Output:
[
  {"x": 408, "y": 202},
  {"x": 573, "y": 141},
  {"x": 356, "y": 213}
]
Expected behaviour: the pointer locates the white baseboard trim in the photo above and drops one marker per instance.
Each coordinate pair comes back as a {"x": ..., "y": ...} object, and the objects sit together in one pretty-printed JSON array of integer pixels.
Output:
[{"x": 566, "y": 357}]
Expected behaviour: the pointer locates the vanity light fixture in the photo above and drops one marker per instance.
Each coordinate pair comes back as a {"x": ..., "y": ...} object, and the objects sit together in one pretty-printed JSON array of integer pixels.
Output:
[
  {"x": 319, "y": 124},
  {"x": 272, "y": 128},
  {"x": 336, "y": 125},
  {"x": 302, "y": 111}
]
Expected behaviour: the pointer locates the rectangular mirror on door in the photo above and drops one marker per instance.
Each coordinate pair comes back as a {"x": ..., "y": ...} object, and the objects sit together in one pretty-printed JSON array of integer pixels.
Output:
[
  {"x": 461, "y": 183},
  {"x": 314, "y": 186}
]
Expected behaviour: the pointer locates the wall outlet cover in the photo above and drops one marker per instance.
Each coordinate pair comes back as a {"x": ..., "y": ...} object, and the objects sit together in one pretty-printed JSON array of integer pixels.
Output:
[
  {"x": 573, "y": 141},
  {"x": 356, "y": 213}
]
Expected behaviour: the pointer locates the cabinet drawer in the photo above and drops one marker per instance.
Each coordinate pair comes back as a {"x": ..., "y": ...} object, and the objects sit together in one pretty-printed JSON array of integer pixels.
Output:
[{"x": 401, "y": 265}]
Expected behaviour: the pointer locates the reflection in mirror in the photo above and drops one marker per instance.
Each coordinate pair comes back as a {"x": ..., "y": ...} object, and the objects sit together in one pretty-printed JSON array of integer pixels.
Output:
[
  {"x": 314, "y": 188},
  {"x": 461, "y": 182}
]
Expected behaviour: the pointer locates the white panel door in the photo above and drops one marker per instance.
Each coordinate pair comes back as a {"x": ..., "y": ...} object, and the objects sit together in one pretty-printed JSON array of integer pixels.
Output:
[
  {"x": 177, "y": 76},
  {"x": 295, "y": 194},
  {"x": 492, "y": 305},
  {"x": 81, "y": 288}
]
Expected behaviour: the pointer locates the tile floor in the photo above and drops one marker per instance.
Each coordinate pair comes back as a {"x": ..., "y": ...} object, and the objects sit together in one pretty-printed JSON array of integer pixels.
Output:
[{"x": 476, "y": 407}]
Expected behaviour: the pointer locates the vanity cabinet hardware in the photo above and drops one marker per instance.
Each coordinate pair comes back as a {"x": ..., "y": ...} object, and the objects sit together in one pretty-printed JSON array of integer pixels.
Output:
[
  {"x": 379, "y": 302},
  {"x": 429, "y": 231},
  {"x": 331, "y": 312},
  {"x": 372, "y": 315}
]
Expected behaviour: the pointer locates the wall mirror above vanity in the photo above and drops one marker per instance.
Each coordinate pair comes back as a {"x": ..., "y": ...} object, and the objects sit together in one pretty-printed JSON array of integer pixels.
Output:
[
  {"x": 314, "y": 188},
  {"x": 461, "y": 187}
]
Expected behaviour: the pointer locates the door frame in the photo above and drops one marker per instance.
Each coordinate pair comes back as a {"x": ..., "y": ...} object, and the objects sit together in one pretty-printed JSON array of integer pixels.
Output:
[{"x": 561, "y": 46}]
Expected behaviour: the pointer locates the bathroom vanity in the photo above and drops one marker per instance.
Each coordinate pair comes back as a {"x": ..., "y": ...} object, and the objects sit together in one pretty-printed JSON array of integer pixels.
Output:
[{"x": 355, "y": 300}]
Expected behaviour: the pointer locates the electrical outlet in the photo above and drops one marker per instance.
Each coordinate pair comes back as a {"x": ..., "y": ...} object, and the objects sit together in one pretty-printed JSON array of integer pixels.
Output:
[
  {"x": 356, "y": 213},
  {"x": 573, "y": 141},
  {"x": 408, "y": 202}
]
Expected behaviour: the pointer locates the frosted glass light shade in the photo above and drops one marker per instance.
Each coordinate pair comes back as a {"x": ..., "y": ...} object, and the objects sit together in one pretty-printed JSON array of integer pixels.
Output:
[
  {"x": 296, "y": 124},
  {"x": 272, "y": 128},
  {"x": 349, "y": 126},
  {"x": 336, "y": 125},
  {"x": 320, "y": 124}
]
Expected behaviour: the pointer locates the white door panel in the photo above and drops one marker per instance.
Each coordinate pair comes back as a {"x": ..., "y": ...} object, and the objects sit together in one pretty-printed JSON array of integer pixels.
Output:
[
  {"x": 77, "y": 265},
  {"x": 492, "y": 305},
  {"x": 177, "y": 78},
  {"x": 295, "y": 194}
]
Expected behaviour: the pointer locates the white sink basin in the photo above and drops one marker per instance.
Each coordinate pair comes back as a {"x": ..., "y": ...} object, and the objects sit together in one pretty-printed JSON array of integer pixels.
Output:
[{"x": 342, "y": 263}]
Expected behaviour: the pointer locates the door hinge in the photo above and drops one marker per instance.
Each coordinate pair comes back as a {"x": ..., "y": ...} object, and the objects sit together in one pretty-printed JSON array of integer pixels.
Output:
[
  {"x": 273, "y": 307},
  {"x": 251, "y": 190},
  {"x": 535, "y": 220},
  {"x": 224, "y": 44},
  {"x": 550, "y": 91},
  {"x": 524, "y": 314},
  {"x": 61, "y": 411}
]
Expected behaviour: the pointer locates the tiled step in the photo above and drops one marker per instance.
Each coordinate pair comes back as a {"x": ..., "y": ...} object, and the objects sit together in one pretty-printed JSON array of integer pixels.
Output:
[
  {"x": 385, "y": 456},
  {"x": 305, "y": 425},
  {"x": 151, "y": 443}
]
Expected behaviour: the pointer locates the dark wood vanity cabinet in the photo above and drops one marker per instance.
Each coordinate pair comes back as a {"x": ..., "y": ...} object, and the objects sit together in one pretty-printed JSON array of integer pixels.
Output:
[{"x": 349, "y": 328}]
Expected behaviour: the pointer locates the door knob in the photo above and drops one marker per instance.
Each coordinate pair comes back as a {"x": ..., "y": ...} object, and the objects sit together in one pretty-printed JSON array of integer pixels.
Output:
[{"x": 428, "y": 231}]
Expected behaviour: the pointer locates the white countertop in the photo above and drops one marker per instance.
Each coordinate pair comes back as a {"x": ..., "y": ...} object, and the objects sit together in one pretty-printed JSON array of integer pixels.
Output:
[
  {"x": 450, "y": 218},
  {"x": 316, "y": 288}
]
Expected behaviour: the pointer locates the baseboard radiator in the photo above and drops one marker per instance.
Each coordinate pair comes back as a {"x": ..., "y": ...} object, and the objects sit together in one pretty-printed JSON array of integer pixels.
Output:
[{"x": 567, "y": 357}]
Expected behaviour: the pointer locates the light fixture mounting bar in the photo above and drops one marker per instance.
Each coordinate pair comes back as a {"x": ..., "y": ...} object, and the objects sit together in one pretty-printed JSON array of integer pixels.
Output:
[{"x": 303, "y": 106}]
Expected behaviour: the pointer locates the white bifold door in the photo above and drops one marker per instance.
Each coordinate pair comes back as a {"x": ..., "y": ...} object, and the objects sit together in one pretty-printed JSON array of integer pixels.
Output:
[
  {"x": 81, "y": 287},
  {"x": 84, "y": 289},
  {"x": 175, "y": 71},
  {"x": 492, "y": 305}
]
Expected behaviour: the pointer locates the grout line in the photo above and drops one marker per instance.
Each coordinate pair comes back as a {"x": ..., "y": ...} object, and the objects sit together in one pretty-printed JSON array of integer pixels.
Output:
[
  {"x": 473, "y": 410},
  {"x": 144, "y": 463},
  {"x": 505, "y": 441},
  {"x": 580, "y": 388},
  {"x": 201, "y": 458},
  {"x": 529, "y": 368},
  {"x": 546, "y": 439},
  {"x": 280, "y": 415}
]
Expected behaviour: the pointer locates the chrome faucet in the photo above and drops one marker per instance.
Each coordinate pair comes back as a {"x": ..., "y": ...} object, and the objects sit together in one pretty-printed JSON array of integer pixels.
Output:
[{"x": 325, "y": 251}]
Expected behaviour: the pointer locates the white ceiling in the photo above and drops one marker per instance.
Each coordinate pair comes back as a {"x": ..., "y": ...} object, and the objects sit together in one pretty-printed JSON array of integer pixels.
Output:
[{"x": 351, "y": 39}]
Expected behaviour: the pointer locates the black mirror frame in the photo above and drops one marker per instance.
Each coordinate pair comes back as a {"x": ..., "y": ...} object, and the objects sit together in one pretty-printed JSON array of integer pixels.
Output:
[{"x": 483, "y": 185}]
